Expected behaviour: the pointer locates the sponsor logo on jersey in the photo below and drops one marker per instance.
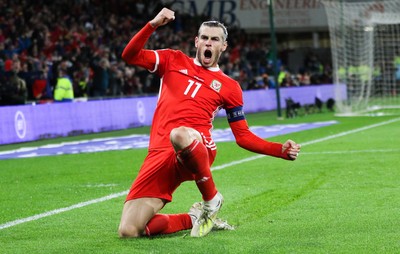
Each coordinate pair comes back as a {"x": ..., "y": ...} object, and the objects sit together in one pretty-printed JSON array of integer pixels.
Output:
[
  {"x": 216, "y": 85},
  {"x": 199, "y": 79}
]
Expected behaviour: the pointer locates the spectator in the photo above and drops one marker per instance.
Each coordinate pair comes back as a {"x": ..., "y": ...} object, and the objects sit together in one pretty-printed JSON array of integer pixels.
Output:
[
  {"x": 287, "y": 80},
  {"x": 281, "y": 75},
  {"x": 258, "y": 83},
  {"x": 26, "y": 74},
  {"x": 132, "y": 83},
  {"x": 100, "y": 77},
  {"x": 9, "y": 62},
  {"x": 304, "y": 78},
  {"x": 81, "y": 81},
  {"x": 268, "y": 81},
  {"x": 41, "y": 88},
  {"x": 13, "y": 88},
  {"x": 64, "y": 91},
  {"x": 116, "y": 81}
]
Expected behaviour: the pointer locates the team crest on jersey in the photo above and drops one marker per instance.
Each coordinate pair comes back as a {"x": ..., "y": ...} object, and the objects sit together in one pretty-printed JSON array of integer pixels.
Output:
[{"x": 216, "y": 85}]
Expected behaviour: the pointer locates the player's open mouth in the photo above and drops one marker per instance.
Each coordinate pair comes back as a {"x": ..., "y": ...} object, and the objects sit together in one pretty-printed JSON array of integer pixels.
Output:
[{"x": 207, "y": 56}]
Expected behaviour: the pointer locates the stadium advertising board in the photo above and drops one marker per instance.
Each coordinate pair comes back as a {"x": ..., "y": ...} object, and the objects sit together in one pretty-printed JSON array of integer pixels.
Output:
[
  {"x": 254, "y": 14},
  {"x": 34, "y": 122}
]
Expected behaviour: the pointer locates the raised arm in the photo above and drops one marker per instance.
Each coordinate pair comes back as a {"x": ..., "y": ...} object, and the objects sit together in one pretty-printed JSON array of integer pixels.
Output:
[
  {"x": 163, "y": 17},
  {"x": 134, "y": 52}
]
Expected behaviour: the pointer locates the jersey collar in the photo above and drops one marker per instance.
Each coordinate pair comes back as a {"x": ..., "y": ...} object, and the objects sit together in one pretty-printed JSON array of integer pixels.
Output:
[{"x": 214, "y": 69}]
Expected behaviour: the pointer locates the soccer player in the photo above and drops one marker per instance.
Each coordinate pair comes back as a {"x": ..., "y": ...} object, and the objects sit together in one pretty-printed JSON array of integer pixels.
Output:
[{"x": 181, "y": 147}]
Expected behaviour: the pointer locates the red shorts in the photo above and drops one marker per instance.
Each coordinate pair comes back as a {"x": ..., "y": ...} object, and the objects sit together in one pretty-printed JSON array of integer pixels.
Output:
[{"x": 161, "y": 174}]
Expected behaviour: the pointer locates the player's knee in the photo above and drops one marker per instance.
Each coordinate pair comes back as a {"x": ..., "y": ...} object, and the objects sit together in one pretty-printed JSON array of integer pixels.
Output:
[
  {"x": 125, "y": 231},
  {"x": 180, "y": 137},
  {"x": 179, "y": 134}
]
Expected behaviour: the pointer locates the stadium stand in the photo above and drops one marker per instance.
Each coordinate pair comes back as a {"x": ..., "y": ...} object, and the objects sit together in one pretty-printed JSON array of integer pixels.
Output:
[{"x": 88, "y": 37}]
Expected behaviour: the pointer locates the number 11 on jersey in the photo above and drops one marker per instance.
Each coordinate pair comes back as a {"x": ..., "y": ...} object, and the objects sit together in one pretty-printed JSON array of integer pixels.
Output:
[{"x": 196, "y": 89}]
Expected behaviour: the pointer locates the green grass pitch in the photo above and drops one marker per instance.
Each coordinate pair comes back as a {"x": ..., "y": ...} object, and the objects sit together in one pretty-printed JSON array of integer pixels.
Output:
[{"x": 342, "y": 195}]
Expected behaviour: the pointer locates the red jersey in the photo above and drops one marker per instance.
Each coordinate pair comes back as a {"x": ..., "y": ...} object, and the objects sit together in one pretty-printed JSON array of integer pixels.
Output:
[{"x": 190, "y": 95}]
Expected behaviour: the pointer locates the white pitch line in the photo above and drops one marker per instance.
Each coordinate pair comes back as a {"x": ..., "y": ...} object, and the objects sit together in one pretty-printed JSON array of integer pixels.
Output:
[
  {"x": 311, "y": 142},
  {"x": 61, "y": 210},
  {"x": 119, "y": 194}
]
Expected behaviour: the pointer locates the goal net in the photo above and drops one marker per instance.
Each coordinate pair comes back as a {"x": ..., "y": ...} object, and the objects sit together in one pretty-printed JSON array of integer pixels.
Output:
[{"x": 365, "y": 43}]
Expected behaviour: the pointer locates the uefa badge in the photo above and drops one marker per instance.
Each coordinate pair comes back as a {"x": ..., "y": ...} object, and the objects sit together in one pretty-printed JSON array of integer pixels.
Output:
[{"x": 216, "y": 85}]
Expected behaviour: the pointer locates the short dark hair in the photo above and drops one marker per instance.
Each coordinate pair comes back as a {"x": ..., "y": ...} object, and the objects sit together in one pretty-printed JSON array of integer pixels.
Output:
[{"x": 215, "y": 23}]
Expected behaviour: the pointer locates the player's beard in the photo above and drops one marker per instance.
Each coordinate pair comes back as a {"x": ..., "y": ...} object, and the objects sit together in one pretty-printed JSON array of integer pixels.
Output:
[{"x": 208, "y": 59}]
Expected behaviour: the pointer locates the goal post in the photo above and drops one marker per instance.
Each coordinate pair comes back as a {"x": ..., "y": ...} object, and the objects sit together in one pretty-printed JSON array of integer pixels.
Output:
[{"x": 365, "y": 45}]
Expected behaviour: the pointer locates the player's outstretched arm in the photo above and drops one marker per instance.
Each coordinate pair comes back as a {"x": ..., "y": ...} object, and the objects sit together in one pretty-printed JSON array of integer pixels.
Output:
[
  {"x": 163, "y": 17},
  {"x": 249, "y": 141}
]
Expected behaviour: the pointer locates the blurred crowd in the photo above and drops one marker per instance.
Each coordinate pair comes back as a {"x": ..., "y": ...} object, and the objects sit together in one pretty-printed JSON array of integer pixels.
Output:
[{"x": 66, "y": 49}]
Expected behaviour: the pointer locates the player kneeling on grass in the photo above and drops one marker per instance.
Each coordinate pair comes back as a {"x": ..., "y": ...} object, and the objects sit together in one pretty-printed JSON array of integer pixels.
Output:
[{"x": 181, "y": 147}]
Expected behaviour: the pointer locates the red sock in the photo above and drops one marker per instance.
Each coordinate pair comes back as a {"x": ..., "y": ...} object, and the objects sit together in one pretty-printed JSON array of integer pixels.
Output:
[
  {"x": 195, "y": 158},
  {"x": 168, "y": 224}
]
